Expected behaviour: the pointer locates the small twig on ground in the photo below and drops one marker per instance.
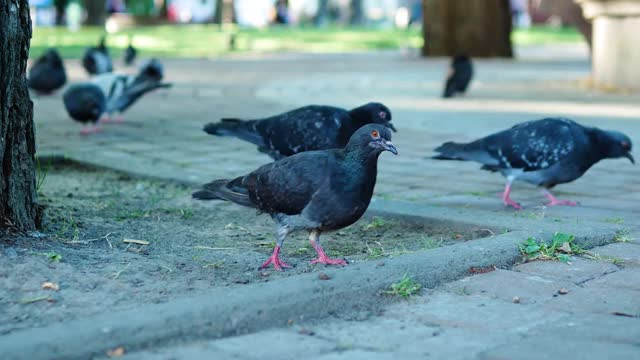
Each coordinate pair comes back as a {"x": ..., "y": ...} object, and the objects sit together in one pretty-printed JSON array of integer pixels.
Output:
[
  {"x": 116, "y": 275},
  {"x": 212, "y": 248},
  {"x": 36, "y": 299},
  {"x": 86, "y": 241},
  {"x": 136, "y": 241}
]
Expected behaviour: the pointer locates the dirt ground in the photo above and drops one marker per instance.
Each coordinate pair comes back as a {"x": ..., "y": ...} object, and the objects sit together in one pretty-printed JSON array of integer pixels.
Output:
[{"x": 192, "y": 246}]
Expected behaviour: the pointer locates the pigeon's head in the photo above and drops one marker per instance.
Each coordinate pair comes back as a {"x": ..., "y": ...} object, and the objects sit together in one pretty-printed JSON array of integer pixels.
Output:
[
  {"x": 372, "y": 113},
  {"x": 53, "y": 57},
  {"x": 618, "y": 145},
  {"x": 372, "y": 138},
  {"x": 151, "y": 70}
]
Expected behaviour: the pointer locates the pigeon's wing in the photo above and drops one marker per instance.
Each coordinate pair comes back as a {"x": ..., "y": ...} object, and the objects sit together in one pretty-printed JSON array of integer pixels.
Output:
[
  {"x": 286, "y": 186},
  {"x": 131, "y": 93},
  {"x": 304, "y": 129},
  {"x": 532, "y": 145}
]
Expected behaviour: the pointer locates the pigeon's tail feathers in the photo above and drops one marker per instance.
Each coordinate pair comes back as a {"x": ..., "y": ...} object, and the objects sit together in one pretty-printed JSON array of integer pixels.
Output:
[
  {"x": 230, "y": 190},
  {"x": 455, "y": 151},
  {"x": 244, "y": 130}
]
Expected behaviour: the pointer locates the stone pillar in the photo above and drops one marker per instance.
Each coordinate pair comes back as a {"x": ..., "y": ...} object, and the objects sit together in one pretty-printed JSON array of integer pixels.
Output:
[{"x": 616, "y": 42}]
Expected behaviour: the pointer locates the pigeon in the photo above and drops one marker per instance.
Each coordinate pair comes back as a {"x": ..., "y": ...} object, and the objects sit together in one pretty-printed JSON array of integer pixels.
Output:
[
  {"x": 313, "y": 127},
  {"x": 459, "y": 76},
  {"x": 317, "y": 191},
  {"x": 96, "y": 60},
  {"x": 85, "y": 103},
  {"x": 47, "y": 73},
  {"x": 542, "y": 152},
  {"x": 122, "y": 91},
  {"x": 130, "y": 53}
]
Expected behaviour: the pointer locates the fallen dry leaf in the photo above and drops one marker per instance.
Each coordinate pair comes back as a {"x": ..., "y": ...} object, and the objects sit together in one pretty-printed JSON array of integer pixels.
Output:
[
  {"x": 323, "y": 276},
  {"x": 117, "y": 352},
  {"x": 48, "y": 285},
  {"x": 566, "y": 248}
]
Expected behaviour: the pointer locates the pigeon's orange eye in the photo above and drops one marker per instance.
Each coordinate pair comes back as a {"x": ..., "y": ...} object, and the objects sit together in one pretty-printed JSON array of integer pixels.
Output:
[{"x": 375, "y": 134}]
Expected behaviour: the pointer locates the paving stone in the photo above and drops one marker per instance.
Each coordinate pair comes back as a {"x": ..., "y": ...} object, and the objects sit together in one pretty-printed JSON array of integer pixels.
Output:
[
  {"x": 579, "y": 271},
  {"x": 355, "y": 355},
  {"x": 507, "y": 285},
  {"x": 274, "y": 344},
  {"x": 624, "y": 279},
  {"x": 598, "y": 300},
  {"x": 555, "y": 348},
  {"x": 629, "y": 253},
  {"x": 598, "y": 327}
]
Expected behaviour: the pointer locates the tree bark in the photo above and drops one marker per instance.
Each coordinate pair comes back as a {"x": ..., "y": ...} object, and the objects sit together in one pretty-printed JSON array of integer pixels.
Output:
[
  {"x": 321, "y": 16},
  {"x": 96, "y": 12},
  {"x": 357, "y": 15},
  {"x": 17, "y": 143},
  {"x": 477, "y": 28},
  {"x": 225, "y": 12}
]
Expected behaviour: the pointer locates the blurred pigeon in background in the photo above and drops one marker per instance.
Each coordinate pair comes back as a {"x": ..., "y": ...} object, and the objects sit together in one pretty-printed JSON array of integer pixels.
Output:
[
  {"x": 85, "y": 103},
  {"x": 122, "y": 91},
  {"x": 317, "y": 191},
  {"x": 96, "y": 60},
  {"x": 459, "y": 76},
  {"x": 312, "y": 127},
  {"x": 130, "y": 53},
  {"x": 543, "y": 152},
  {"x": 47, "y": 74}
]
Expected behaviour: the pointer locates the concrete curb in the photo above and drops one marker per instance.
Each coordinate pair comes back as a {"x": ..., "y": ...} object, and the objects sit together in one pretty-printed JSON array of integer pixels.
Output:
[{"x": 233, "y": 310}]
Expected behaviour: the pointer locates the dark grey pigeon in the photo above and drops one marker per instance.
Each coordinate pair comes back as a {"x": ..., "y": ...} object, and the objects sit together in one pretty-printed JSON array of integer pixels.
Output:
[
  {"x": 459, "y": 76},
  {"x": 96, "y": 60},
  {"x": 313, "y": 127},
  {"x": 130, "y": 53},
  {"x": 122, "y": 91},
  {"x": 543, "y": 152},
  {"x": 47, "y": 73},
  {"x": 85, "y": 103},
  {"x": 317, "y": 191}
]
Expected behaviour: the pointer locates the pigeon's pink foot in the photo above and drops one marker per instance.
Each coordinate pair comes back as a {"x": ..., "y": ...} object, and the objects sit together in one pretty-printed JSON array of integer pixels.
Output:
[
  {"x": 275, "y": 260},
  {"x": 85, "y": 131},
  {"x": 553, "y": 201},
  {"x": 506, "y": 199},
  {"x": 95, "y": 130},
  {"x": 323, "y": 258},
  {"x": 508, "y": 202},
  {"x": 328, "y": 261},
  {"x": 105, "y": 119}
]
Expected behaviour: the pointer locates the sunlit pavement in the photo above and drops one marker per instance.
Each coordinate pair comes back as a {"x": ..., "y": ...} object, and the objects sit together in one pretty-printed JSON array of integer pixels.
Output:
[{"x": 162, "y": 138}]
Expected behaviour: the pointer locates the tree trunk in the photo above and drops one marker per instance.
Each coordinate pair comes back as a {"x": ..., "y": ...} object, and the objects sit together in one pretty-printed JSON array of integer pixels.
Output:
[
  {"x": 321, "y": 16},
  {"x": 17, "y": 142},
  {"x": 60, "y": 6},
  {"x": 96, "y": 12},
  {"x": 477, "y": 28},
  {"x": 357, "y": 16},
  {"x": 225, "y": 12}
]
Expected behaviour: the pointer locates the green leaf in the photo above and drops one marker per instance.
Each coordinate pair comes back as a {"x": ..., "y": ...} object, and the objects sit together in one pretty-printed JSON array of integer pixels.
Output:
[{"x": 564, "y": 258}]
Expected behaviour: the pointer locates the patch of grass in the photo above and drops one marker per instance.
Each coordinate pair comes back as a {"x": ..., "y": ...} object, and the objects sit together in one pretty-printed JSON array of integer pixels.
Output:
[
  {"x": 41, "y": 173},
  {"x": 69, "y": 227},
  {"x": 622, "y": 236},
  {"x": 215, "y": 265},
  {"x": 560, "y": 248},
  {"x": 53, "y": 257},
  {"x": 188, "y": 40},
  {"x": 615, "y": 220},
  {"x": 185, "y": 213},
  {"x": 131, "y": 215},
  {"x": 376, "y": 223},
  {"x": 405, "y": 288}
]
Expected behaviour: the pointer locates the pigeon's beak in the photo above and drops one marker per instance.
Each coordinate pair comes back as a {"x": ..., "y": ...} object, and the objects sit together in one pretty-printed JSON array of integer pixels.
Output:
[
  {"x": 390, "y": 126},
  {"x": 388, "y": 145},
  {"x": 630, "y": 157}
]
